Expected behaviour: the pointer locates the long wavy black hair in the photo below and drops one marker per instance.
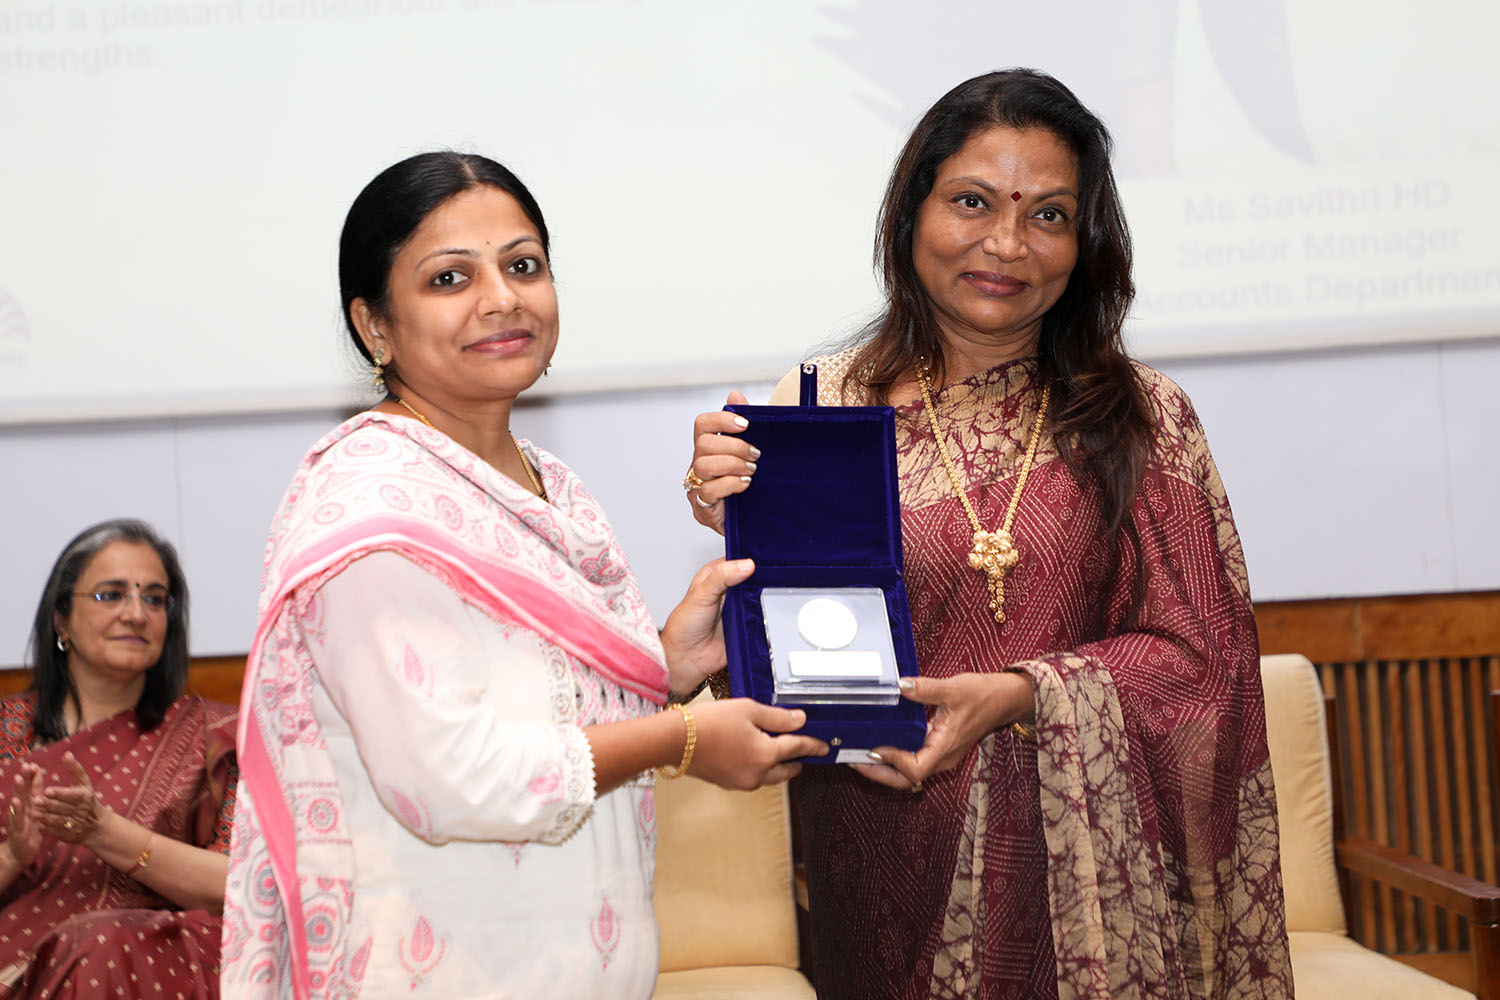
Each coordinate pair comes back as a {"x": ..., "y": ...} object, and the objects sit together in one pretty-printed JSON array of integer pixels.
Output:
[
  {"x": 1101, "y": 422},
  {"x": 50, "y": 679}
]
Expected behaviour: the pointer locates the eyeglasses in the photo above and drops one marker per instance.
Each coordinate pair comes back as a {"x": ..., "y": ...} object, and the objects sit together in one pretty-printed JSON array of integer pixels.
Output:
[{"x": 155, "y": 601}]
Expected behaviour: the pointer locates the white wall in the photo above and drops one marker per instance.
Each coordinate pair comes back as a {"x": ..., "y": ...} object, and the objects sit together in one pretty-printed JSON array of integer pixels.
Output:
[
  {"x": 1359, "y": 472},
  {"x": 1367, "y": 471}
]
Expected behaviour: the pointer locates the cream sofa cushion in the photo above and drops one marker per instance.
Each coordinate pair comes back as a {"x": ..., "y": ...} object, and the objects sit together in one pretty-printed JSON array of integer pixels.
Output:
[
  {"x": 1332, "y": 967},
  {"x": 734, "y": 982},
  {"x": 724, "y": 876},
  {"x": 1295, "y": 731}
]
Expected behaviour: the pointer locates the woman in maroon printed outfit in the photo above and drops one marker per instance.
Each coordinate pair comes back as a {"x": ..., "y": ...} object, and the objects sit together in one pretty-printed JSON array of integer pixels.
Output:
[
  {"x": 118, "y": 788},
  {"x": 1092, "y": 813}
]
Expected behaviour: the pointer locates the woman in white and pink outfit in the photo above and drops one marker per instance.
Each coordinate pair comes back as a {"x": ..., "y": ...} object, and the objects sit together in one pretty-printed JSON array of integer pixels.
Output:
[{"x": 454, "y": 702}]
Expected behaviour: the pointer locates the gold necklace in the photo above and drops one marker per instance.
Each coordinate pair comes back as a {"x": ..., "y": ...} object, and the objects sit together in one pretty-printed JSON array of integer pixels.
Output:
[
  {"x": 535, "y": 482},
  {"x": 527, "y": 466},
  {"x": 994, "y": 552},
  {"x": 412, "y": 410}
]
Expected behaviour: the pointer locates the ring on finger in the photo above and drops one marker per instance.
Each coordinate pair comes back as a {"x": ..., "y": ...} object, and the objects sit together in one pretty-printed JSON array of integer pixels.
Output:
[
  {"x": 916, "y": 786},
  {"x": 691, "y": 482},
  {"x": 703, "y": 503},
  {"x": 67, "y": 824}
]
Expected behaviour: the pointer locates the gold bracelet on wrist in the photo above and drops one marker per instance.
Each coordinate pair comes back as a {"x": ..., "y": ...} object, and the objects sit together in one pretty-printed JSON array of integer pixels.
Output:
[
  {"x": 688, "y": 746},
  {"x": 140, "y": 862},
  {"x": 1024, "y": 731}
]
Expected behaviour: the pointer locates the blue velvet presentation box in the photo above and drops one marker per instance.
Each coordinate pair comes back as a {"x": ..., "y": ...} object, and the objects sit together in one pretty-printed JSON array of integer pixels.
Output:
[{"x": 822, "y": 512}]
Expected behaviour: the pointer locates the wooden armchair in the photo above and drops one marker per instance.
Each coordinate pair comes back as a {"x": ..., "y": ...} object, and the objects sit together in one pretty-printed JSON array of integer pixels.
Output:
[
  {"x": 1318, "y": 857},
  {"x": 1477, "y": 902}
]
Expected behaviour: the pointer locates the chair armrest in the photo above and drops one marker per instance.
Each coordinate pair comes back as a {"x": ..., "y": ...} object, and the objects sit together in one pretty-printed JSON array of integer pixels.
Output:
[{"x": 1455, "y": 892}]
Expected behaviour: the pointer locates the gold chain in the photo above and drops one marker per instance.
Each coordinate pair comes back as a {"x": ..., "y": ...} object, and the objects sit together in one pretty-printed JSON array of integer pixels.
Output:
[
  {"x": 994, "y": 552},
  {"x": 527, "y": 466},
  {"x": 536, "y": 483},
  {"x": 412, "y": 410}
]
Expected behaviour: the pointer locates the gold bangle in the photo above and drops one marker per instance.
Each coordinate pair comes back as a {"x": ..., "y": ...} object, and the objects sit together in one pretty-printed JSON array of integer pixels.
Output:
[
  {"x": 1024, "y": 731},
  {"x": 140, "y": 862},
  {"x": 688, "y": 746}
]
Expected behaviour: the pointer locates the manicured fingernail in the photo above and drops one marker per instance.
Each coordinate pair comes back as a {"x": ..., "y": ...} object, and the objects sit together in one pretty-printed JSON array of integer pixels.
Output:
[
  {"x": 744, "y": 564},
  {"x": 754, "y": 452},
  {"x": 740, "y": 422},
  {"x": 751, "y": 466},
  {"x": 906, "y": 684},
  {"x": 744, "y": 479},
  {"x": 875, "y": 756}
]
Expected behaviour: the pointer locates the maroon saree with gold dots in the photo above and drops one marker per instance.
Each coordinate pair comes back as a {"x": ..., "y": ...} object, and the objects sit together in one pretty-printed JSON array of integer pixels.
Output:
[{"x": 71, "y": 925}]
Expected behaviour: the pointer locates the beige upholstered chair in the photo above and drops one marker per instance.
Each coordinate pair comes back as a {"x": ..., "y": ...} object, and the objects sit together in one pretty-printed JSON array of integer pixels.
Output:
[
  {"x": 1326, "y": 963},
  {"x": 724, "y": 894}
]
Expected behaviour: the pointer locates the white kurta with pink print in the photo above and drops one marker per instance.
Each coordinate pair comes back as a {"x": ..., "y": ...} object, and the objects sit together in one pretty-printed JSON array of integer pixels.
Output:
[
  {"x": 417, "y": 811},
  {"x": 489, "y": 749}
]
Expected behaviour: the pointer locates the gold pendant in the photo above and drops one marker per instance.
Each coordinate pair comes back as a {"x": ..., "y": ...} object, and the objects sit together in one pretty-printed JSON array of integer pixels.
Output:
[{"x": 994, "y": 553}]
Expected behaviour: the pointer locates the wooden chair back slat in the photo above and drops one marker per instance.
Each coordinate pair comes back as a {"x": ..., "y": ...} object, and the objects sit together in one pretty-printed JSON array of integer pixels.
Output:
[
  {"x": 1361, "y": 905},
  {"x": 1459, "y": 741},
  {"x": 1479, "y": 766},
  {"x": 1419, "y": 718},
  {"x": 1443, "y": 803},
  {"x": 1379, "y": 733},
  {"x": 1398, "y": 714}
]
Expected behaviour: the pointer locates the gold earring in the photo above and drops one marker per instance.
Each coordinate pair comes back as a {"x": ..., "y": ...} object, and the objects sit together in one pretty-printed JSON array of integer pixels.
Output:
[
  {"x": 379, "y": 370},
  {"x": 547, "y": 370}
]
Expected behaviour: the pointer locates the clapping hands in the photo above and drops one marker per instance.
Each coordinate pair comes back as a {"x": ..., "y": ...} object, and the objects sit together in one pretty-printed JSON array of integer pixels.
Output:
[
  {"x": 24, "y": 836},
  {"x": 71, "y": 813}
]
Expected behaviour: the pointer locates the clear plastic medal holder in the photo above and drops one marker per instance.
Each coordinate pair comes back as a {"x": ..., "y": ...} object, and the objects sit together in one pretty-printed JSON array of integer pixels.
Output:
[{"x": 830, "y": 646}]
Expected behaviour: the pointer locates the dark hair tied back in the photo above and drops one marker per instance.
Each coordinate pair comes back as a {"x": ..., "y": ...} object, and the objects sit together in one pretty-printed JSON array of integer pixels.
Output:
[
  {"x": 393, "y": 205},
  {"x": 49, "y": 665},
  {"x": 1102, "y": 423}
]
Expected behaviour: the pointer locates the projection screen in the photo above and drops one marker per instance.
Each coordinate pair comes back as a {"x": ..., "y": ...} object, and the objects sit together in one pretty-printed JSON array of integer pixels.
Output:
[{"x": 176, "y": 172}]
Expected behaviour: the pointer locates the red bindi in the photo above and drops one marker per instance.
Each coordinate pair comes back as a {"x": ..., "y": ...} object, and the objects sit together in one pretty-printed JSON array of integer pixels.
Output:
[{"x": 1015, "y": 196}]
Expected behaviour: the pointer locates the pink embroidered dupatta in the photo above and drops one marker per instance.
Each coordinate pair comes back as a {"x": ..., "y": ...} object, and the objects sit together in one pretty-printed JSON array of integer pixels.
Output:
[{"x": 382, "y": 483}]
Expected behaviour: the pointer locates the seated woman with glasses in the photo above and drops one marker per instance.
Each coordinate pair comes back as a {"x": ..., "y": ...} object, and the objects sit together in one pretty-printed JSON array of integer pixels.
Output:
[{"x": 118, "y": 788}]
